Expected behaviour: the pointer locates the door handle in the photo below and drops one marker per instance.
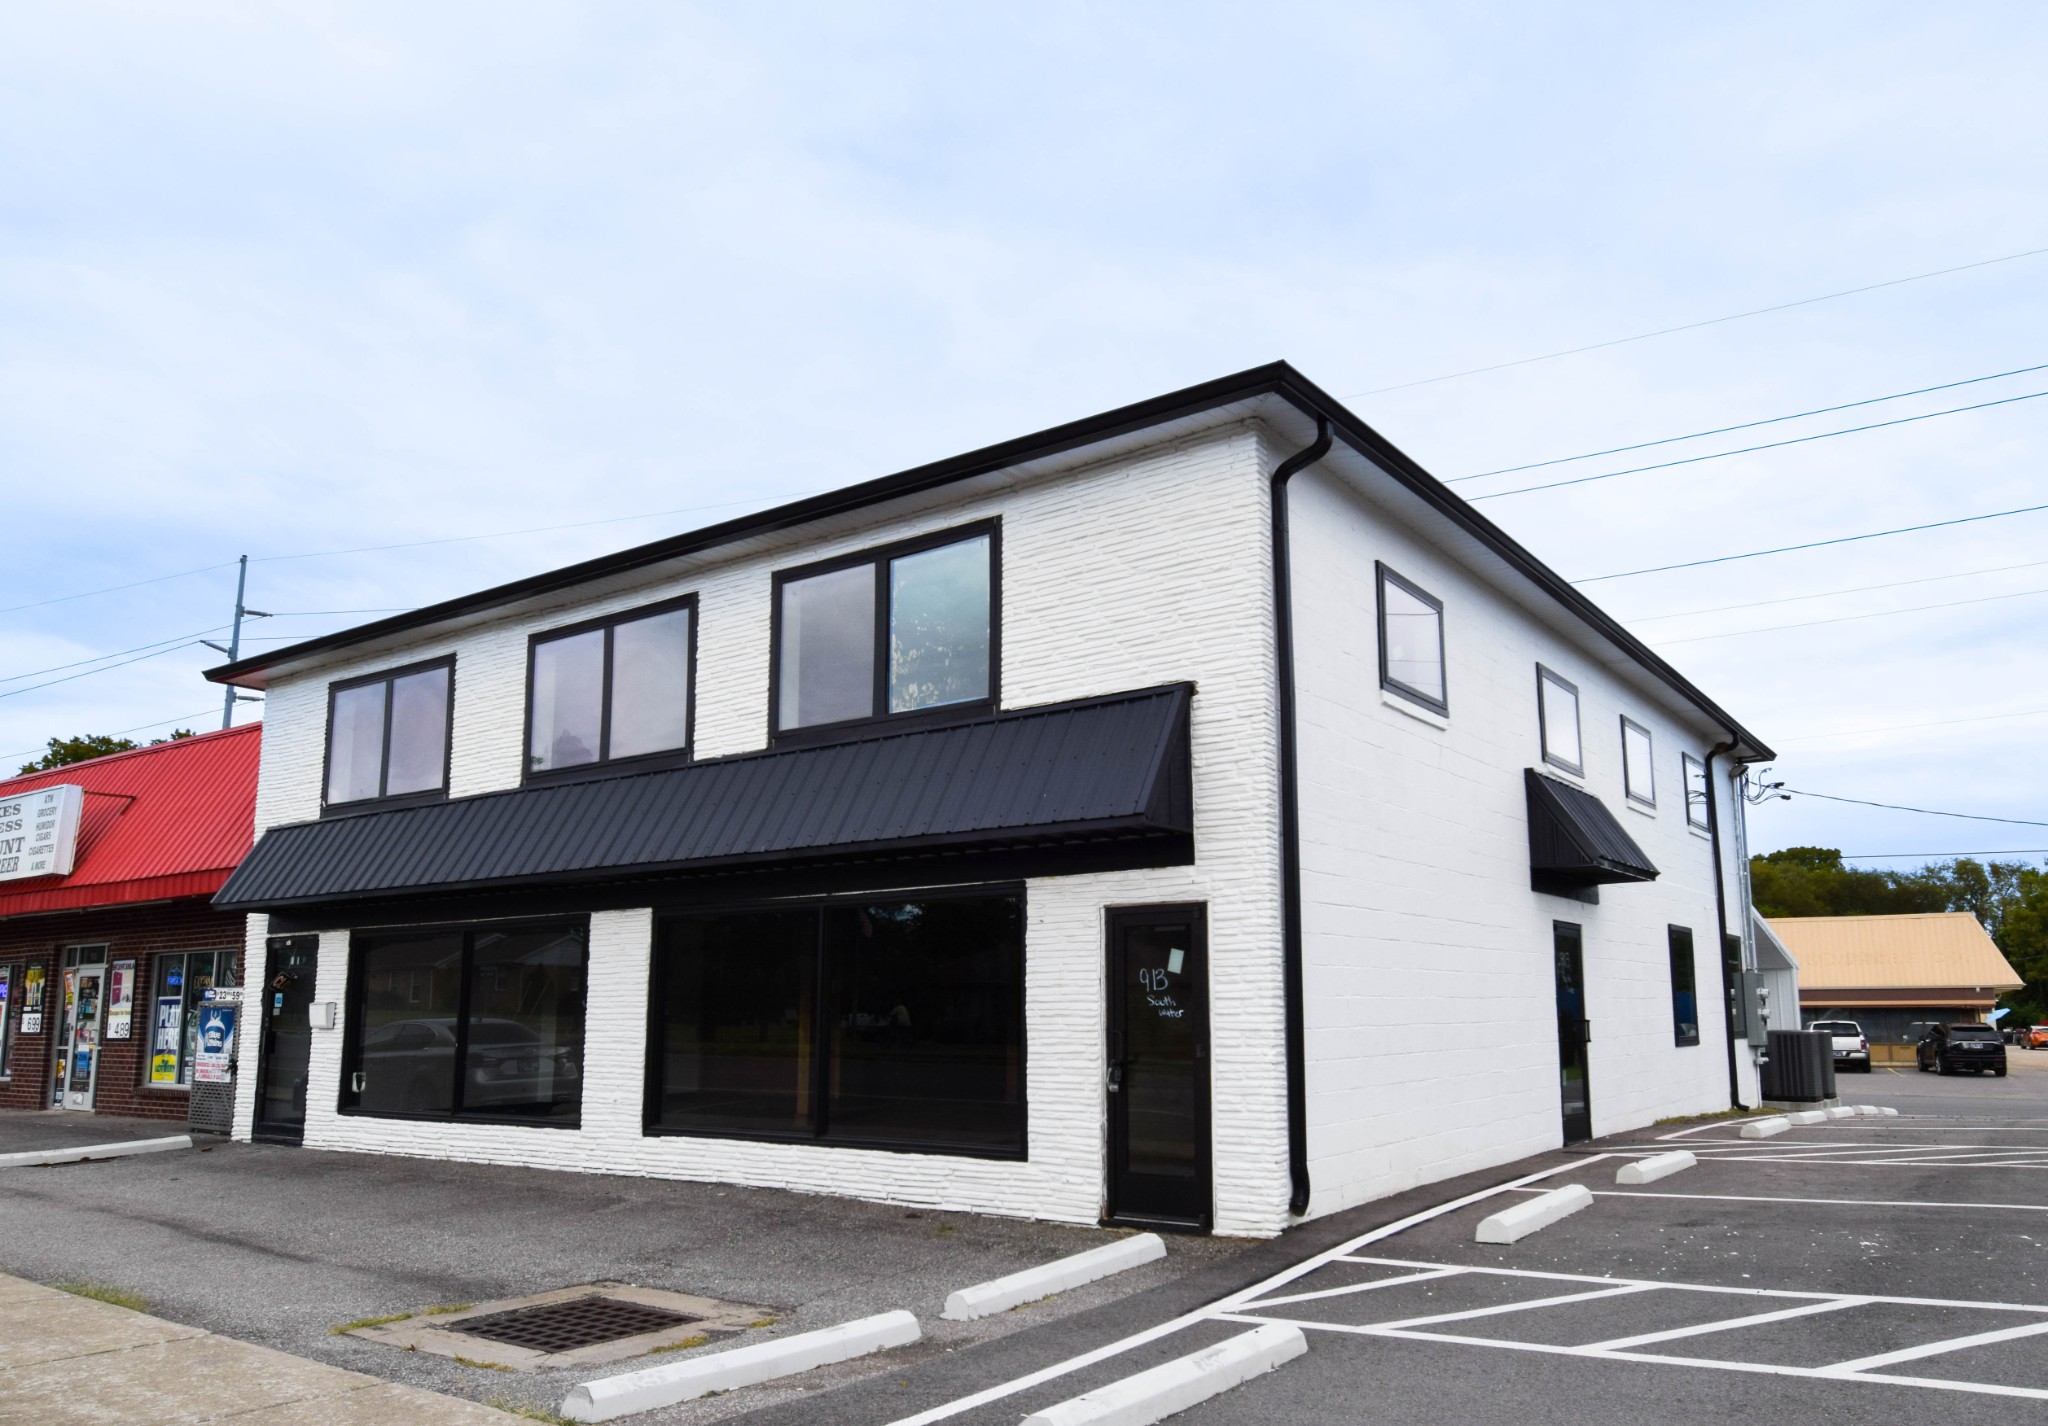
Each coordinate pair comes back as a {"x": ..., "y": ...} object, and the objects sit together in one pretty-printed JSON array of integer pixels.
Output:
[
  {"x": 1586, "y": 1030},
  {"x": 1115, "y": 1079}
]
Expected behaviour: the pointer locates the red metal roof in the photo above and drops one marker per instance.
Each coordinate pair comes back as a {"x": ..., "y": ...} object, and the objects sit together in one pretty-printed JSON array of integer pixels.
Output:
[{"x": 159, "y": 822}]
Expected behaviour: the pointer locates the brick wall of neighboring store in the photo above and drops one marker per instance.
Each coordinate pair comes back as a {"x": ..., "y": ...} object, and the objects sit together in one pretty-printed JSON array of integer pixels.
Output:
[{"x": 137, "y": 933}]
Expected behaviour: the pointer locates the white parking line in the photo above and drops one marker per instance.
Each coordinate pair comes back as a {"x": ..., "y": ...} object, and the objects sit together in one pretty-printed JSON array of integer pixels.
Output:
[
  {"x": 1501, "y": 1309},
  {"x": 1356, "y": 1287},
  {"x": 1935, "y": 1349},
  {"x": 1754, "y": 1319},
  {"x": 1845, "y": 1202}
]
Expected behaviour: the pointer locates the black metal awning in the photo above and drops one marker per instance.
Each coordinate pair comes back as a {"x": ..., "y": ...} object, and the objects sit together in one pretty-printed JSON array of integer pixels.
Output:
[
  {"x": 1575, "y": 843},
  {"x": 1107, "y": 770}
]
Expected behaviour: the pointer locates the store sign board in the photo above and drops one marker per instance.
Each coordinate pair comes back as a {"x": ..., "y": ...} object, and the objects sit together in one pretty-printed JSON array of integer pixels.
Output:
[
  {"x": 39, "y": 832},
  {"x": 121, "y": 1000},
  {"x": 216, "y": 1044}
]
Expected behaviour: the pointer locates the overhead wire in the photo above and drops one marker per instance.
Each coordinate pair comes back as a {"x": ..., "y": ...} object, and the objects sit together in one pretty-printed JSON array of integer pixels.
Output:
[
  {"x": 1896, "y": 856},
  {"x": 96, "y": 658},
  {"x": 1833, "y": 593},
  {"x": 1813, "y": 544},
  {"x": 69, "y": 677},
  {"x": 1927, "y": 811},
  {"x": 118, "y": 732},
  {"x": 1751, "y": 450},
  {"x": 1695, "y": 326},
  {"x": 1848, "y": 618},
  {"x": 1907, "y": 727},
  {"x": 1745, "y": 425}
]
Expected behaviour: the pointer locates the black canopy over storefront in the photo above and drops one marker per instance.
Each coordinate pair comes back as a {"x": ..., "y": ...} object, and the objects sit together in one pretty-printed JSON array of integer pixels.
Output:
[
  {"x": 1098, "y": 783},
  {"x": 1575, "y": 843}
]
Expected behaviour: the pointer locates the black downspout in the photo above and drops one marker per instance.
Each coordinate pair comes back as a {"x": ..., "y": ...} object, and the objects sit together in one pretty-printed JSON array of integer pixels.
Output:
[
  {"x": 1290, "y": 827},
  {"x": 1728, "y": 991}
]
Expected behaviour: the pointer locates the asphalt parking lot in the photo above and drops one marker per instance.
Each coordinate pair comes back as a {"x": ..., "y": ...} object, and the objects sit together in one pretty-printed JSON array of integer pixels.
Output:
[{"x": 1858, "y": 1270}]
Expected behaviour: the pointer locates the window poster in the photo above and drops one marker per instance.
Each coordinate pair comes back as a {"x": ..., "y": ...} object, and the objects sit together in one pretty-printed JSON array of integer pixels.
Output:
[
  {"x": 216, "y": 1044},
  {"x": 163, "y": 1045},
  {"x": 120, "y": 999},
  {"x": 32, "y": 1001}
]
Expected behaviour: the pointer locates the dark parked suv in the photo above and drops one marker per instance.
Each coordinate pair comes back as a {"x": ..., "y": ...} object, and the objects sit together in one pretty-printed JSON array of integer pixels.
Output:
[{"x": 1951, "y": 1049}]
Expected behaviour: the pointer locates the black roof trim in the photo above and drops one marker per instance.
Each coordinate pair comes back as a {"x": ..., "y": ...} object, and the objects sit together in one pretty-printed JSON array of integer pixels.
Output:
[
  {"x": 1275, "y": 379},
  {"x": 1099, "y": 771},
  {"x": 1573, "y": 838}
]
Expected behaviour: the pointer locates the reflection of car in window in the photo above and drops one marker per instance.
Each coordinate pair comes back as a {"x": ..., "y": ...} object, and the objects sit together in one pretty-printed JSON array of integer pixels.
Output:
[{"x": 408, "y": 1065}]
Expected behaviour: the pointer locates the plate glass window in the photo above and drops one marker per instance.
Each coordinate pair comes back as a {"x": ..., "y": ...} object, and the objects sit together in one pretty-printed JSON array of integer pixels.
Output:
[
  {"x": 1411, "y": 641},
  {"x": 620, "y": 690},
  {"x": 897, "y": 1022},
  {"x": 388, "y": 737},
  {"x": 899, "y": 633},
  {"x": 1638, "y": 778},
  {"x": 1558, "y": 712},
  {"x": 1685, "y": 1004},
  {"x": 475, "y": 1023},
  {"x": 182, "y": 980},
  {"x": 7, "y": 979},
  {"x": 1695, "y": 791}
]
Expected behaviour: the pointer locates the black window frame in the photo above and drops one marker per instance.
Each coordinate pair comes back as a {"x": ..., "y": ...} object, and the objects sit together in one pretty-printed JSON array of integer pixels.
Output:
[
  {"x": 352, "y": 1024},
  {"x": 820, "y": 1049},
  {"x": 383, "y": 800},
  {"x": 1628, "y": 791},
  {"x": 1688, "y": 765},
  {"x": 604, "y": 764},
  {"x": 880, "y": 556},
  {"x": 1382, "y": 577},
  {"x": 1674, "y": 936},
  {"x": 1577, "y": 769}
]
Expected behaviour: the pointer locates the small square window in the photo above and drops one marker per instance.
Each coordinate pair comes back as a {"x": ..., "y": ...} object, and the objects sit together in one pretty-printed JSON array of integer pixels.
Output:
[
  {"x": 387, "y": 735},
  {"x": 1638, "y": 777},
  {"x": 618, "y": 688},
  {"x": 1696, "y": 812},
  {"x": 1411, "y": 642},
  {"x": 1557, "y": 712}
]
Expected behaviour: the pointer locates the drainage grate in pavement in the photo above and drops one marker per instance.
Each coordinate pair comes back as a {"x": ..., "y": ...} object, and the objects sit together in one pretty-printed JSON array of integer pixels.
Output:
[{"x": 568, "y": 1326}]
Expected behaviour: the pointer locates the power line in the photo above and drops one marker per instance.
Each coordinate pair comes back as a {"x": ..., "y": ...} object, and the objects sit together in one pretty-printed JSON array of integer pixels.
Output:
[
  {"x": 1695, "y": 326},
  {"x": 1906, "y": 727},
  {"x": 10, "y": 693},
  {"x": 96, "y": 658},
  {"x": 114, "y": 588},
  {"x": 1750, "y": 450},
  {"x": 138, "y": 728},
  {"x": 1847, "y": 618},
  {"x": 1814, "y": 544},
  {"x": 1928, "y": 811},
  {"x": 1832, "y": 593},
  {"x": 1746, "y": 425}
]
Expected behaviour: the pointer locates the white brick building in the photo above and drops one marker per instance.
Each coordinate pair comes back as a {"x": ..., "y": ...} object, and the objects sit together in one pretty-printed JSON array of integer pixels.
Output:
[{"x": 942, "y": 840}]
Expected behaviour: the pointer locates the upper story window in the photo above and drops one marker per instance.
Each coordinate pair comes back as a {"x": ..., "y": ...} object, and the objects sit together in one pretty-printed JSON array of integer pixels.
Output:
[
  {"x": 901, "y": 630},
  {"x": 1637, "y": 778},
  {"x": 1695, "y": 792},
  {"x": 1557, "y": 710},
  {"x": 1411, "y": 641},
  {"x": 613, "y": 688},
  {"x": 387, "y": 734}
]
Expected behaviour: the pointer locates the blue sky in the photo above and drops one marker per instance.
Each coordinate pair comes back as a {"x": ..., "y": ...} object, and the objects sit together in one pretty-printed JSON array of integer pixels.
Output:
[{"x": 285, "y": 280}]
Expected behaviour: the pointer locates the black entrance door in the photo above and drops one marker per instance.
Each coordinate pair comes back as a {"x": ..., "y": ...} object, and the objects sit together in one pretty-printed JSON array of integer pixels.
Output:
[
  {"x": 283, "y": 1001},
  {"x": 1573, "y": 1032},
  {"x": 1159, "y": 1067}
]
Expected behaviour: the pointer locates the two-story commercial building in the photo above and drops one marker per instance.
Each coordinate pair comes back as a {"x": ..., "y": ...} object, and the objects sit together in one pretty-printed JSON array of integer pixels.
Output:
[{"x": 1193, "y": 815}]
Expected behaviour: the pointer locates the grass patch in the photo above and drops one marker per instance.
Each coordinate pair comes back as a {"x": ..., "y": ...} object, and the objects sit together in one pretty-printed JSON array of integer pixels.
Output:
[
  {"x": 683, "y": 1346},
  {"x": 103, "y": 1292},
  {"x": 482, "y": 1366},
  {"x": 945, "y": 1230},
  {"x": 447, "y": 1307},
  {"x": 527, "y": 1413},
  {"x": 763, "y": 1322},
  {"x": 361, "y": 1322},
  {"x": 1710, "y": 1118}
]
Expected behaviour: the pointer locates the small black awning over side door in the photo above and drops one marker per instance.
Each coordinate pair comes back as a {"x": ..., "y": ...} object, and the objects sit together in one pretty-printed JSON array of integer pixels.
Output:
[{"x": 1575, "y": 843}]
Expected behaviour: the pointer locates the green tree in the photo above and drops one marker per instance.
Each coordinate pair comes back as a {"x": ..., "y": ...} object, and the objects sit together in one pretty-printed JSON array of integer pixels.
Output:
[{"x": 65, "y": 751}]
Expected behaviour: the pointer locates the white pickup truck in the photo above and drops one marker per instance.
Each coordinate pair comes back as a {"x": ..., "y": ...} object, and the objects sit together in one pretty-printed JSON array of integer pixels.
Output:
[{"x": 1852, "y": 1050}]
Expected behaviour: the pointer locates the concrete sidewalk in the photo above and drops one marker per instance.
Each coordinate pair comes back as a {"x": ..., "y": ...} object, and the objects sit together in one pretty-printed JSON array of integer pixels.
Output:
[
  {"x": 25, "y": 1129},
  {"x": 66, "y": 1359}
]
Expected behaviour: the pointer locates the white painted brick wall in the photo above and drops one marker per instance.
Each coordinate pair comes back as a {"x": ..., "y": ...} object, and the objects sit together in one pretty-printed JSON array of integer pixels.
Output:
[
  {"x": 1431, "y": 1028},
  {"x": 1127, "y": 573}
]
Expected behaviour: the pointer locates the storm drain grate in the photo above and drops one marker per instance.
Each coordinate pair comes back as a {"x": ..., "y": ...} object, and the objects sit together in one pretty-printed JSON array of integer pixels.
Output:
[{"x": 570, "y": 1326}]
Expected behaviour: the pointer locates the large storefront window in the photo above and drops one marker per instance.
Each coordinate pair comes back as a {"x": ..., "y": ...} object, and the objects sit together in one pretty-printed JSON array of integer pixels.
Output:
[
  {"x": 884, "y": 1022},
  {"x": 468, "y": 1022},
  {"x": 182, "y": 980}
]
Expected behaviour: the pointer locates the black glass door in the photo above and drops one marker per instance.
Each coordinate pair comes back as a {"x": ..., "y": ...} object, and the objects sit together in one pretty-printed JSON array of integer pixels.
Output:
[
  {"x": 1573, "y": 1032},
  {"x": 1159, "y": 1067},
  {"x": 283, "y": 1001}
]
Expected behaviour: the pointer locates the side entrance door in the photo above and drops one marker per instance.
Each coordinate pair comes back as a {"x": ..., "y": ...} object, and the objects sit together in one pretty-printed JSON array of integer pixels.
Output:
[
  {"x": 283, "y": 1001},
  {"x": 1158, "y": 1056},
  {"x": 78, "y": 1037},
  {"x": 1574, "y": 1032}
]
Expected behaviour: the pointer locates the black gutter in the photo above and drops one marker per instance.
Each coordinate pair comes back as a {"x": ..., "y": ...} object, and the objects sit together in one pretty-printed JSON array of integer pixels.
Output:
[
  {"x": 1728, "y": 991},
  {"x": 1274, "y": 379},
  {"x": 1290, "y": 826}
]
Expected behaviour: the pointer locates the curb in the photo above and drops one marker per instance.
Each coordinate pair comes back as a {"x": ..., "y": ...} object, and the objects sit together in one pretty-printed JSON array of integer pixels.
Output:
[
  {"x": 1764, "y": 1128},
  {"x": 665, "y": 1385},
  {"x": 1513, "y": 1224},
  {"x": 985, "y": 1299},
  {"x": 1656, "y": 1166},
  {"x": 38, "y": 1158},
  {"x": 1187, "y": 1381}
]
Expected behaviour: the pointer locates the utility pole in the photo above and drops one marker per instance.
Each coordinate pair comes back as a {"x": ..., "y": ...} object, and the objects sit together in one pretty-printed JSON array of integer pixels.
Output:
[{"x": 234, "y": 645}]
